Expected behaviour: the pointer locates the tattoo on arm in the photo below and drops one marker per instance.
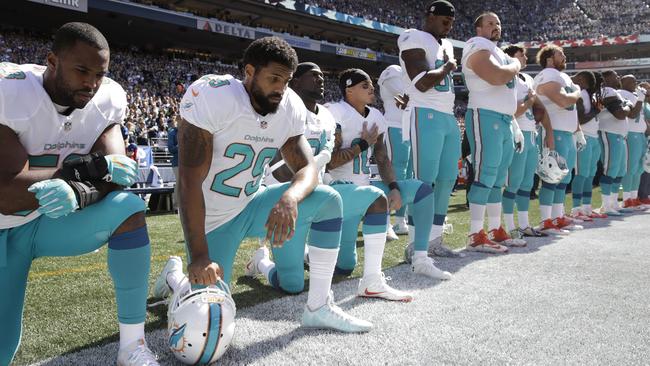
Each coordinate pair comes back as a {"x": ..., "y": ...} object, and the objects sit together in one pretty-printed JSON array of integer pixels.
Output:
[
  {"x": 383, "y": 161},
  {"x": 193, "y": 143},
  {"x": 342, "y": 156},
  {"x": 296, "y": 152}
]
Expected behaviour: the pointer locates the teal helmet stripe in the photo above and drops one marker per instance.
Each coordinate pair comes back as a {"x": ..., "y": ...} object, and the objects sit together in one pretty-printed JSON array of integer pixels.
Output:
[{"x": 214, "y": 334}]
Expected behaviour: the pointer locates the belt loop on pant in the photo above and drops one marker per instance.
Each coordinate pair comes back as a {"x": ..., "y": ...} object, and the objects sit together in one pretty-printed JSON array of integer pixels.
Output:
[{"x": 4, "y": 237}]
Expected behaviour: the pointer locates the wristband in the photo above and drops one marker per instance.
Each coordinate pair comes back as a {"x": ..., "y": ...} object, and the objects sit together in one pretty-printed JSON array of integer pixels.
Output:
[
  {"x": 393, "y": 185},
  {"x": 363, "y": 145}
]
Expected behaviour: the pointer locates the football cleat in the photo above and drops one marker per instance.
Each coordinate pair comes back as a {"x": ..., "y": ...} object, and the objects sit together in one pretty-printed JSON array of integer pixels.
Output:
[
  {"x": 436, "y": 248},
  {"x": 425, "y": 267},
  {"x": 645, "y": 201},
  {"x": 597, "y": 215},
  {"x": 530, "y": 232},
  {"x": 578, "y": 216},
  {"x": 136, "y": 354},
  {"x": 401, "y": 228},
  {"x": 161, "y": 289},
  {"x": 567, "y": 223},
  {"x": 549, "y": 226},
  {"x": 376, "y": 286},
  {"x": 479, "y": 242},
  {"x": 390, "y": 234},
  {"x": 251, "y": 269},
  {"x": 633, "y": 204},
  {"x": 500, "y": 236},
  {"x": 330, "y": 316}
]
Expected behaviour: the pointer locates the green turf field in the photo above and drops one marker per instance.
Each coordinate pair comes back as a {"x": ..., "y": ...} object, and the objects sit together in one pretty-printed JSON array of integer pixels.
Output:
[{"x": 70, "y": 303}]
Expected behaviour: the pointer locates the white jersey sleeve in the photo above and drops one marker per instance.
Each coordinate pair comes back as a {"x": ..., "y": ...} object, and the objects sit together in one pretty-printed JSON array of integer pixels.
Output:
[
  {"x": 205, "y": 93},
  {"x": 391, "y": 84},
  {"x": 633, "y": 124},
  {"x": 409, "y": 39}
]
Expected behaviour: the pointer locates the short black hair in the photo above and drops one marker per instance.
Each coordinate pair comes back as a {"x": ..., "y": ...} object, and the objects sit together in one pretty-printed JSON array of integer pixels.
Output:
[
  {"x": 71, "y": 33},
  {"x": 512, "y": 49},
  {"x": 265, "y": 50},
  {"x": 479, "y": 20},
  {"x": 608, "y": 73}
]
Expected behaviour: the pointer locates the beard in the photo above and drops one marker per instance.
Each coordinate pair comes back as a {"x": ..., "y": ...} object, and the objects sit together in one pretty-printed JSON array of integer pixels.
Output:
[
  {"x": 263, "y": 101},
  {"x": 66, "y": 96}
]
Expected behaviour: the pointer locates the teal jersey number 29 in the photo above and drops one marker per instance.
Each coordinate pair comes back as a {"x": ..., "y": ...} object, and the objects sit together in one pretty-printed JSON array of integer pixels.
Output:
[{"x": 249, "y": 159}]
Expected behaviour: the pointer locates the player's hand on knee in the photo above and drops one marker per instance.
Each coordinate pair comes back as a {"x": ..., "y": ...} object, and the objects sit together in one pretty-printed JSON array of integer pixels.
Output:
[
  {"x": 394, "y": 200},
  {"x": 55, "y": 197},
  {"x": 122, "y": 170},
  {"x": 203, "y": 271},
  {"x": 281, "y": 223}
]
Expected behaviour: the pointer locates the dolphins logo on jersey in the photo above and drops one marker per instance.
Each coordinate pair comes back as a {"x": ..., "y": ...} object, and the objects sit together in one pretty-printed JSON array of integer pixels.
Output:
[{"x": 264, "y": 125}]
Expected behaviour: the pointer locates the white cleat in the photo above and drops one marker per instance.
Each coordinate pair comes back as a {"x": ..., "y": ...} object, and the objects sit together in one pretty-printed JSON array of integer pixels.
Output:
[
  {"x": 330, "y": 316},
  {"x": 425, "y": 267},
  {"x": 377, "y": 287},
  {"x": 390, "y": 234},
  {"x": 251, "y": 269},
  {"x": 136, "y": 354},
  {"x": 401, "y": 228},
  {"x": 161, "y": 289}
]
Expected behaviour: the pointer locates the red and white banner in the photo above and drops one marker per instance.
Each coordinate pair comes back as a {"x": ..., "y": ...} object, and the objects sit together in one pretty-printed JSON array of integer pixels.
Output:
[{"x": 587, "y": 42}]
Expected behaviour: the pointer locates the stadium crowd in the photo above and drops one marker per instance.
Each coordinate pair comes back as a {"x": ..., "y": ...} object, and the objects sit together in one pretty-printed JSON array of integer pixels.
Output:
[{"x": 562, "y": 20}]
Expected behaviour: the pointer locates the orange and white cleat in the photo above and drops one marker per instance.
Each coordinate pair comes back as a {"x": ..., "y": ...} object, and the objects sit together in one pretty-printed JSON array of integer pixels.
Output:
[
  {"x": 500, "y": 236},
  {"x": 479, "y": 242}
]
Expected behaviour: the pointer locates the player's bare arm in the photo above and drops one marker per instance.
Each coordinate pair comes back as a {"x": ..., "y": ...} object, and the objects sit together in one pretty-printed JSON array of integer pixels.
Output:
[
  {"x": 525, "y": 105},
  {"x": 281, "y": 223},
  {"x": 558, "y": 95},
  {"x": 386, "y": 173},
  {"x": 495, "y": 74},
  {"x": 616, "y": 107},
  {"x": 194, "y": 159},
  {"x": 541, "y": 116},
  {"x": 584, "y": 117},
  {"x": 416, "y": 63},
  {"x": 341, "y": 156},
  {"x": 636, "y": 110},
  {"x": 15, "y": 176}
]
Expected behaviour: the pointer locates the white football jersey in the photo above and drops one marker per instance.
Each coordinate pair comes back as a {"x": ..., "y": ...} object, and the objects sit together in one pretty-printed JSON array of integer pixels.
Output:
[
  {"x": 501, "y": 98},
  {"x": 633, "y": 124},
  {"x": 391, "y": 83},
  {"x": 350, "y": 124},
  {"x": 562, "y": 119},
  {"x": 590, "y": 128},
  {"x": 608, "y": 122},
  {"x": 244, "y": 142},
  {"x": 49, "y": 137},
  {"x": 319, "y": 131},
  {"x": 441, "y": 97},
  {"x": 527, "y": 120}
]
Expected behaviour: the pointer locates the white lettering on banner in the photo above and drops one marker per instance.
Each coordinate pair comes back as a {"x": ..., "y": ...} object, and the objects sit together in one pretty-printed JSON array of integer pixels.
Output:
[
  {"x": 226, "y": 28},
  {"x": 77, "y": 5}
]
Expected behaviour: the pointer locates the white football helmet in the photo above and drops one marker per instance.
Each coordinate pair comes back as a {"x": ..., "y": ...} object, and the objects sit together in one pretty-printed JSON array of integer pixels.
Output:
[
  {"x": 551, "y": 168},
  {"x": 201, "y": 324},
  {"x": 646, "y": 161}
]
